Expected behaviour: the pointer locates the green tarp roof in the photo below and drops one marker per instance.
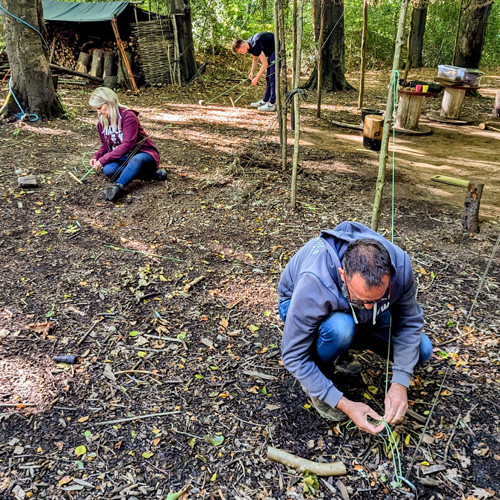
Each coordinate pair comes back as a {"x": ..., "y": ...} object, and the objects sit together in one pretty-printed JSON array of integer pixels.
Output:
[{"x": 81, "y": 12}]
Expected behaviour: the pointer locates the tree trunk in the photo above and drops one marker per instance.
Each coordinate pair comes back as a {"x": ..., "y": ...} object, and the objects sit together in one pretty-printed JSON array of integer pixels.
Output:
[
  {"x": 416, "y": 42},
  {"x": 332, "y": 55},
  {"x": 182, "y": 10},
  {"x": 471, "y": 43},
  {"x": 28, "y": 59}
]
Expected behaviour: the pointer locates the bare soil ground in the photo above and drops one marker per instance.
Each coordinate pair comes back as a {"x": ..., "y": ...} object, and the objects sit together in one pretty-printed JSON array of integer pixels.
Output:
[{"x": 168, "y": 300}]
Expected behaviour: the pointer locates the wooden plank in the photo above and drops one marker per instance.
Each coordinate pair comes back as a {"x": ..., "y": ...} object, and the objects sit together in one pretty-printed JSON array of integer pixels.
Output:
[{"x": 450, "y": 180}]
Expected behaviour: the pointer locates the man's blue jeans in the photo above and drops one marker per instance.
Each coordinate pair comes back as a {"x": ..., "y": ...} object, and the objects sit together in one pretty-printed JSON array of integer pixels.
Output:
[
  {"x": 140, "y": 166},
  {"x": 338, "y": 332}
]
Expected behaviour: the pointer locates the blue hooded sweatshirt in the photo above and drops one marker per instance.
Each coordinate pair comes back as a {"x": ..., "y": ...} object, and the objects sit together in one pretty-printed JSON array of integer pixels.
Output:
[{"x": 312, "y": 281}]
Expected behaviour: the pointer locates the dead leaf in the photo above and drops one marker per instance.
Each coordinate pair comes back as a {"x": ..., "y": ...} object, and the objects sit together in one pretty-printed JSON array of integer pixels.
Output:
[
  {"x": 482, "y": 493},
  {"x": 43, "y": 328}
]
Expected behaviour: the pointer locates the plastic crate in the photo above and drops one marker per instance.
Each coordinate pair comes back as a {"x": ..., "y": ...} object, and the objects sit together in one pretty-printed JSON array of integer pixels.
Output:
[
  {"x": 451, "y": 73},
  {"x": 473, "y": 77}
]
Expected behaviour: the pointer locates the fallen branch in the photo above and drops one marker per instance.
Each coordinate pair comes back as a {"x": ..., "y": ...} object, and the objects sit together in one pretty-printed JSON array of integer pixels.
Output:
[
  {"x": 62, "y": 69},
  {"x": 301, "y": 464},
  {"x": 74, "y": 177},
  {"x": 147, "y": 372},
  {"x": 192, "y": 283},
  {"x": 143, "y": 253}
]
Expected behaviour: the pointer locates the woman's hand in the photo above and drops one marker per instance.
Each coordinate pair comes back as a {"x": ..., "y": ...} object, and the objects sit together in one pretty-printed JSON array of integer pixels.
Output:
[
  {"x": 92, "y": 162},
  {"x": 96, "y": 165}
]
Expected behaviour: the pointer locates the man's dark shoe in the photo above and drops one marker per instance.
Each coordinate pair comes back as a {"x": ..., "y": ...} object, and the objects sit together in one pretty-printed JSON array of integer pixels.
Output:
[
  {"x": 113, "y": 192},
  {"x": 160, "y": 175},
  {"x": 348, "y": 366},
  {"x": 325, "y": 410}
]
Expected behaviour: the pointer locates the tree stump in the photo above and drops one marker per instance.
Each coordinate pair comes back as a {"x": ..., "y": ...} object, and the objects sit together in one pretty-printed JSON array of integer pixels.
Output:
[
  {"x": 372, "y": 132},
  {"x": 82, "y": 65},
  {"x": 97, "y": 61},
  {"x": 109, "y": 65},
  {"x": 409, "y": 109},
  {"x": 496, "y": 107},
  {"x": 452, "y": 102},
  {"x": 471, "y": 205}
]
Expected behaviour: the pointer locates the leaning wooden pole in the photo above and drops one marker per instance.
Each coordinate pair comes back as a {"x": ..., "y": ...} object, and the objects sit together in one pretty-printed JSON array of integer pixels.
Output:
[
  {"x": 294, "y": 56},
  {"x": 363, "y": 53},
  {"x": 379, "y": 189},
  {"x": 296, "y": 83},
  {"x": 319, "y": 58},
  {"x": 124, "y": 55}
]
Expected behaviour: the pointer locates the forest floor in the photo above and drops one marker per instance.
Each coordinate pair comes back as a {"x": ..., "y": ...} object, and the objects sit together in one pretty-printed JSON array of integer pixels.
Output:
[{"x": 168, "y": 300}]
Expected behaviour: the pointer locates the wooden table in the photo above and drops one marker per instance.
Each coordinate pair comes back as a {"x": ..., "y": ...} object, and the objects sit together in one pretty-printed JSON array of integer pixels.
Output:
[{"x": 409, "y": 109}]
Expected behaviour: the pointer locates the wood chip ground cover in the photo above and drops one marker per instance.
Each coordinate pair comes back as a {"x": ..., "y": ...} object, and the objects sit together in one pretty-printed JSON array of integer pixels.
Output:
[{"x": 168, "y": 300}]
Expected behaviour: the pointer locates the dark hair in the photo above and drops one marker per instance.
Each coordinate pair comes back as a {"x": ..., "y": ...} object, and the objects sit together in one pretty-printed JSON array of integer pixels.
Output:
[
  {"x": 237, "y": 43},
  {"x": 370, "y": 259}
]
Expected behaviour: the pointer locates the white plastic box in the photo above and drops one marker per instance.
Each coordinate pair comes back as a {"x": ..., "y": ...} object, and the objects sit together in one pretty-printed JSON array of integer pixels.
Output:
[{"x": 451, "y": 73}]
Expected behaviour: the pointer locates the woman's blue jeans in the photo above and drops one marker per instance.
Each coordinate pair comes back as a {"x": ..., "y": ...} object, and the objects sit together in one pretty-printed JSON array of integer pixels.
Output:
[
  {"x": 140, "y": 166},
  {"x": 338, "y": 332}
]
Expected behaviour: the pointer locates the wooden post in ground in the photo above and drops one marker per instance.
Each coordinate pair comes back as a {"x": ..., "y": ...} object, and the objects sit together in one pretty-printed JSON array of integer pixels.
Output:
[
  {"x": 109, "y": 64},
  {"x": 320, "y": 51},
  {"x": 124, "y": 55},
  {"x": 296, "y": 107},
  {"x": 382, "y": 160},
  {"x": 363, "y": 53},
  {"x": 284, "y": 86},
  {"x": 294, "y": 57},
  {"x": 496, "y": 107},
  {"x": 279, "y": 100},
  {"x": 471, "y": 205}
]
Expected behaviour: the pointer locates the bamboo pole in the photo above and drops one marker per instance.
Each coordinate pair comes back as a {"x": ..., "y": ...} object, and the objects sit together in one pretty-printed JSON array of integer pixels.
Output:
[
  {"x": 379, "y": 189},
  {"x": 296, "y": 83},
  {"x": 320, "y": 52},
  {"x": 363, "y": 53}
]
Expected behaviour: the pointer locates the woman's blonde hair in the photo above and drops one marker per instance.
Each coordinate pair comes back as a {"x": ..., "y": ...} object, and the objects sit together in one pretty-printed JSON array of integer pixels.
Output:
[{"x": 103, "y": 95}]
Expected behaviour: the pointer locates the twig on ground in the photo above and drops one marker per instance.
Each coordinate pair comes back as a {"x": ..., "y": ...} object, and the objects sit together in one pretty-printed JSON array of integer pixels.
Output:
[
  {"x": 192, "y": 283},
  {"x": 138, "y": 417},
  {"x": 72, "y": 175},
  {"x": 86, "y": 334}
]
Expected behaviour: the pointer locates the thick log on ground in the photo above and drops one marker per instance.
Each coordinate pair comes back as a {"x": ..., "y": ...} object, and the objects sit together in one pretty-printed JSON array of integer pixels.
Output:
[
  {"x": 490, "y": 125},
  {"x": 97, "y": 62},
  {"x": 471, "y": 205},
  {"x": 62, "y": 69},
  {"x": 82, "y": 65},
  {"x": 452, "y": 102}
]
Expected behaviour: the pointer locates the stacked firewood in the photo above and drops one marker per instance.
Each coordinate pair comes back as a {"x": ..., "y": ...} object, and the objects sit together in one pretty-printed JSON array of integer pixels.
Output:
[{"x": 64, "y": 48}]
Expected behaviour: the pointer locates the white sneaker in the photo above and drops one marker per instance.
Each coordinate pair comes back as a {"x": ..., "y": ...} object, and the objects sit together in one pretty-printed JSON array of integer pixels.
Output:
[
  {"x": 267, "y": 107},
  {"x": 257, "y": 104}
]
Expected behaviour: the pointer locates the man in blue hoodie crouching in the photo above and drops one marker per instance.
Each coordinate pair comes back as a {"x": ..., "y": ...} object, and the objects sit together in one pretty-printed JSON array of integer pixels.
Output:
[{"x": 350, "y": 287}]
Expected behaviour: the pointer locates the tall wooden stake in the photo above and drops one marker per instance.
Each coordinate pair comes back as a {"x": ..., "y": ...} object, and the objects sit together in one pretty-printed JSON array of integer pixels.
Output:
[
  {"x": 281, "y": 70},
  {"x": 363, "y": 53},
  {"x": 294, "y": 56},
  {"x": 279, "y": 103},
  {"x": 296, "y": 83},
  {"x": 320, "y": 52},
  {"x": 382, "y": 160}
]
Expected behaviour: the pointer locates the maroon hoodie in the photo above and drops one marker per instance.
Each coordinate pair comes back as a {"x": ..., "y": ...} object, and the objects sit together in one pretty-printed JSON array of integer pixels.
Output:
[{"x": 118, "y": 144}]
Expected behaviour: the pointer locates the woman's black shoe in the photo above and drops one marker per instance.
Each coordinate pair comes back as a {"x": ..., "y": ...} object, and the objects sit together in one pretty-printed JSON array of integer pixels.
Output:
[
  {"x": 113, "y": 192},
  {"x": 160, "y": 175}
]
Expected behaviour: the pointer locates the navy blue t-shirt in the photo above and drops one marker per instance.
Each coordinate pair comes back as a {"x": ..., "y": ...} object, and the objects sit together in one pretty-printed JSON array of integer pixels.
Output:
[{"x": 261, "y": 42}]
